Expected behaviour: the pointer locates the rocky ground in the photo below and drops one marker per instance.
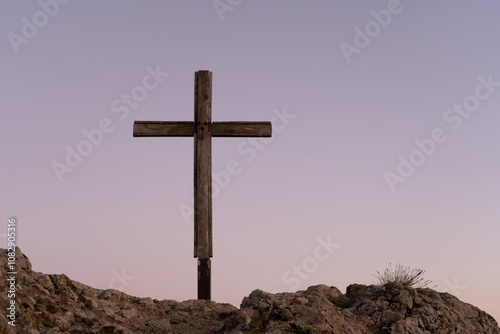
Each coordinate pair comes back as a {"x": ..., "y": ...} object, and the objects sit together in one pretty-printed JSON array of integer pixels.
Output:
[{"x": 56, "y": 304}]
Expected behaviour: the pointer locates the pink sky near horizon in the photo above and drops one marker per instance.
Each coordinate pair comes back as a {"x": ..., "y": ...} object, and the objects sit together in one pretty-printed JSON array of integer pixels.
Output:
[{"x": 340, "y": 125}]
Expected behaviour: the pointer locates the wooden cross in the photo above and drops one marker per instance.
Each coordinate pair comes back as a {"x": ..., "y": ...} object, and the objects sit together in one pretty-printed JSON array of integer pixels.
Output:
[{"x": 202, "y": 129}]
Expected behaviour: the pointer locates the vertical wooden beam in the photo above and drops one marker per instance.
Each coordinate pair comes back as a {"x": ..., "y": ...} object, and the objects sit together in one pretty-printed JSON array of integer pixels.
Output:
[
  {"x": 203, "y": 165},
  {"x": 203, "y": 180},
  {"x": 204, "y": 286}
]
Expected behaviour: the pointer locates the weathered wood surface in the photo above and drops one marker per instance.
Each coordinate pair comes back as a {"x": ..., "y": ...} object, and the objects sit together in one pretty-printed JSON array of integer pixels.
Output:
[
  {"x": 163, "y": 129},
  {"x": 204, "y": 279},
  {"x": 241, "y": 129},
  {"x": 216, "y": 129},
  {"x": 203, "y": 166}
]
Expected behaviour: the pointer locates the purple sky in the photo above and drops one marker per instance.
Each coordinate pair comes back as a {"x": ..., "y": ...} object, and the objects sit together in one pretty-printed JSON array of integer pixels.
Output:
[{"x": 385, "y": 147}]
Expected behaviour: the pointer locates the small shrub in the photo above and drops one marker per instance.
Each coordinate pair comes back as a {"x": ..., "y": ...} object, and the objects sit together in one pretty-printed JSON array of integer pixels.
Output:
[
  {"x": 404, "y": 275},
  {"x": 341, "y": 301},
  {"x": 256, "y": 323},
  {"x": 300, "y": 329}
]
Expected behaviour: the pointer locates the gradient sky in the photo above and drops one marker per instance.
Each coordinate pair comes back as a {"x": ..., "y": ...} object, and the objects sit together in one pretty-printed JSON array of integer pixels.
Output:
[{"x": 116, "y": 220}]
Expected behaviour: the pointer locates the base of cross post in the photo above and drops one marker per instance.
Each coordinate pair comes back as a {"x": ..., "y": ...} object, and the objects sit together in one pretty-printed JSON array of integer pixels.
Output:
[{"x": 204, "y": 289}]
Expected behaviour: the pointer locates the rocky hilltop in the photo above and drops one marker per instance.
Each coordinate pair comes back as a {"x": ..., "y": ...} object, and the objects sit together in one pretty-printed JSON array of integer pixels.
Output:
[{"x": 56, "y": 304}]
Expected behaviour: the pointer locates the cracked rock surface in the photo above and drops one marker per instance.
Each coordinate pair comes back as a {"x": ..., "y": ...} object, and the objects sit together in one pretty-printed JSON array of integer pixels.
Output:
[{"x": 56, "y": 304}]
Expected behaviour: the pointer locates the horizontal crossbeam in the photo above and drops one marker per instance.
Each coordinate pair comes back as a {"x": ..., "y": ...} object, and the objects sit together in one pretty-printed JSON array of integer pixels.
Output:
[
  {"x": 163, "y": 129},
  {"x": 240, "y": 129},
  {"x": 216, "y": 129}
]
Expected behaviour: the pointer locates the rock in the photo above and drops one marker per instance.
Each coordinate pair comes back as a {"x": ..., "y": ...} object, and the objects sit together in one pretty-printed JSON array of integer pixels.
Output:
[{"x": 56, "y": 304}]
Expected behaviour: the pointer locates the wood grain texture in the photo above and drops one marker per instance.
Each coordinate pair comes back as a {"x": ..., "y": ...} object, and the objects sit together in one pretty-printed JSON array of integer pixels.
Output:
[
  {"x": 203, "y": 166},
  {"x": 241, "y": 129},
  {"x": 163, "y": 129}
]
